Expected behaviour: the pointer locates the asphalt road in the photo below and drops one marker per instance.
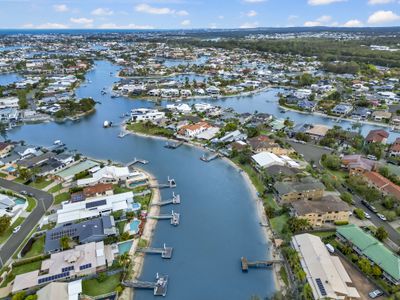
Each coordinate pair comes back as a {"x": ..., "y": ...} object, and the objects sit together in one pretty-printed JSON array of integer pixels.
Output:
[
  {"x": 313, "y": 152},
  {"x": 44, "y": 201}
]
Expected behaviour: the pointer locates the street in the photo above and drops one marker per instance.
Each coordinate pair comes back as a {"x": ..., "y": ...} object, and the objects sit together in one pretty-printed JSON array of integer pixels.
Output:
[
  {"x": 313, "y": 153},
  {"x": 44, "y": 201}
]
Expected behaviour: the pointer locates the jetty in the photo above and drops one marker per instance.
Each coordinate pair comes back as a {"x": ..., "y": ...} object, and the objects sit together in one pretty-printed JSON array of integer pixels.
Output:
[
  {"x": 173, "y": 145},
  {"x": 256, "y": 264},
  {"x": 123, "y": 134},
  {"x": 159, "y": 287},
  {"x": 173, "y": 216},
  {"x": 170, "y": 184},
  {"x": 135, "y": 161},
  {"x": 176, "y": 199},
  {"x": 166, "y": 252},
  {"x": 208, "y": 158}
]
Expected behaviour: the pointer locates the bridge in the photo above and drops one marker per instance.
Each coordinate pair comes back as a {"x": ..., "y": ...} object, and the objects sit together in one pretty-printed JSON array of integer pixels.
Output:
[
  {"x": 159, "y": 287},
  {"x": 166, "y": 252},
  {"x": 135, "y": 161},
  {"x": 174, "y": 217},
  {"x": 257, "y": 264},
  {"x": 176, "y": 199},
  {"x": 170, "y": 184}
]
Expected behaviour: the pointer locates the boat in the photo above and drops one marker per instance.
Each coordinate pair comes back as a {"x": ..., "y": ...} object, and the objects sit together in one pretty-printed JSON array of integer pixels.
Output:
[
  {"x": 283, "y": 111},
  {"x": 107, "y": 124},
  {"x": 57, "y": 142}
]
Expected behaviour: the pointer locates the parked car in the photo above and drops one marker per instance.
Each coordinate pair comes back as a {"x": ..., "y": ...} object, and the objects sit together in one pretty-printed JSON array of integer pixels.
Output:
[
  {"x": 24, "y": 193},
  {"x": 382, "y": 217},
  {"x": 367, "y": 215},
  {"x": 375, "y": 294},
  {"x": 16, "y": 229},
  {"x": 372, "y": 157}
]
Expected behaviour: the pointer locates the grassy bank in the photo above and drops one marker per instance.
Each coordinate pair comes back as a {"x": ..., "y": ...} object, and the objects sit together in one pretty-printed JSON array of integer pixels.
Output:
[{"x": 149, "y": 129}]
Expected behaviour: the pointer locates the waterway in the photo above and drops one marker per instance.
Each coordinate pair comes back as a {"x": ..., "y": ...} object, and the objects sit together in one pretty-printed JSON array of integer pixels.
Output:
[
  {"x": 219, "y": 220},
  {"x": 8, "y": 78}
]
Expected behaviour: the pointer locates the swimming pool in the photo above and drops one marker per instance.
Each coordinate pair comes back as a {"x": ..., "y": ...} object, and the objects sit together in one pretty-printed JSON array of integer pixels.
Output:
[
  {"x": 136, "y": 206},
  {"x": 137, "y": 183},
  {"x": 134, "y": 226},
  {"x": 124, "y": 247},
  {"x": 19, "y": 201}
]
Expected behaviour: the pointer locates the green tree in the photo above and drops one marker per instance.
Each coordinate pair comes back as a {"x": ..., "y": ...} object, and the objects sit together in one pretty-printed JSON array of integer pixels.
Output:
[
  {"x": 298, "y": 224},
  {"x": 364, "y": 265},
  {"x": 381, "y": 233},
  {"x": 64, "y": 242},
  {"x": 359, "y": 213},
  {"x": 376, "y": 271},
  {"x": 5, "y": 222},
  {"x": 19, "y": 296},
  {"x": 346, "y": 197}
]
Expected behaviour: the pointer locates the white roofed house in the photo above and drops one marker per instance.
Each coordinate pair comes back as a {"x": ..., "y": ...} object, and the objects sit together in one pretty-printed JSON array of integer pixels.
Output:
[
  {"x": 213, "y": 90},
  {"x": 182, "y": 108},
  {"x": 267, "y": 159},
  {"x": 110, "y": 174},
  {"x": 146, "y": 114},
  {"x": 8, "y": 102},
  {"x": 186, "y": 93}
]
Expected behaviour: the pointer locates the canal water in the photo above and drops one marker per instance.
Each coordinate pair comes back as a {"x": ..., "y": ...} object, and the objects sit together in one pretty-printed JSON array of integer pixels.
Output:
[
  {"x": 8, "y": 78},
  {"x": 219, "y": 220}
]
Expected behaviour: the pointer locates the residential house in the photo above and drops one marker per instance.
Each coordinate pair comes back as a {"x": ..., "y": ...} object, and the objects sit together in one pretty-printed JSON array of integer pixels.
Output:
[
  {"x": 5, "y": 149},
  {"x": 382, "y": 184},
  {"x": 380, "y": 115},
  {"x": 146, "y": 114},
  {"x": 61, "y": 291},
  {"x": 194, "y": 129},
  {"x": 342, "y": 109},
  {"x": 394, "y": 149},
  {"x": 328, "y": 209},
  {"x": 317, "y": 131},
  {"x": 308, "y": 189},
  {"x": 100, "y": 189},
  {"x": 377, "y": 136},
  {"x": 369, "y": 247},
  {"x": 325, "y": 273},
  {"x": 357, "y": 165}
]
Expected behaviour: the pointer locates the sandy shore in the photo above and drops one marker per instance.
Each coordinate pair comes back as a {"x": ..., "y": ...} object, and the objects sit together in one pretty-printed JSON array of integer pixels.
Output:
[{"x": 148, "y": 232}]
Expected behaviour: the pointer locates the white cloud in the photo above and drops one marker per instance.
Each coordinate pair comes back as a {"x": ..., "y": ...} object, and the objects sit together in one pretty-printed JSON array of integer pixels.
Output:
[
  {"x": 185, "y": 23},
  {"x": 221, "y": 17},
  {"x": 60, "y": 8},
  {"x": 102, "y": 12},
  {"x": 212, "y": 25},
  {"x": 312, "y": 23},
  {"x": 321, "y": 21},
  {"x": 249, "y": 25},
  {"x": 82, "y": 21},
  {"x": 251, "y": 13},
  {"x": 129, "y": 26},
  {"x": 323, "y": 2},
  {"x": 353, "y": 23},
  {"x": 383, "y": 16},
  {"x": 182, "y": 13},
  {"x": 254, "y": 1},
  {"x": 146, "y": 8},
  {"x": 324, "y": 19},
  {"x": 46, "y": 26},
  {"x": 375, "y": 2}
]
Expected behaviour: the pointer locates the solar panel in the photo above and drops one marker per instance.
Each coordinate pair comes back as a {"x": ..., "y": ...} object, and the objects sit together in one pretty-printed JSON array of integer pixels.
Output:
[
  {"x": 69, "y": 268},
  {"x": 321, "y": 286},
  {"x": 87, "y": 266},
  {"x": 96, "y": 203}
]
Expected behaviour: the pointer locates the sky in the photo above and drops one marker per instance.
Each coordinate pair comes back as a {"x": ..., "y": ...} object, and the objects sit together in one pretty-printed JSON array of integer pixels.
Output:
[{"x": 186, "y": 14}]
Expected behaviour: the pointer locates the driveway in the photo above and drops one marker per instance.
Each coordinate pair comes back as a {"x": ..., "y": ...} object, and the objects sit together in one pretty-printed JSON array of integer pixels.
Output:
[{"x": 44, "y": 201}]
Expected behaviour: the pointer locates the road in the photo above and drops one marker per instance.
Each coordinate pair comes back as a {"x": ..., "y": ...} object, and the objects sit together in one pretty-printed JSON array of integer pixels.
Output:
[
  {"x": 44, "y": 201},
  {"x": 313, "y": 153}
]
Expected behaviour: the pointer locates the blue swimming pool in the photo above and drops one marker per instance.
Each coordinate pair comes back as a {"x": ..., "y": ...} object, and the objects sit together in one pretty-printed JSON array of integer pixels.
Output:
[
  {"x": 136, "y": 206},
  {"x": 138, "y": 183},
  {"x": 19, "y": 201},
  {"x": 134, "y": 226},
  {"x": 124, "y": 247}
]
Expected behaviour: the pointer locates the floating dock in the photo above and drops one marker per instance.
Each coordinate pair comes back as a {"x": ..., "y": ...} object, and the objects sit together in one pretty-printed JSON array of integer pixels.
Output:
[
  {"x": 174, "y": 217},
  {"x": 166, "y": 252},
  {"x": 208, "y": 158},
  {"x": 173, "y": 145},
  {"x": 159, "y": 287},
  {"x": 246, "y": 265},
  {"x": 176, "y": 199},
  {"x": 135, "y": 161}
]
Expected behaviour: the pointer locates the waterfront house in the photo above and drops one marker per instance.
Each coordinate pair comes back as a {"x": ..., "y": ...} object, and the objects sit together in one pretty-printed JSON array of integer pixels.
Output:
[
  {"x": 306, "y": 105},
  {"x": 325, "y": 273},
  {"x": 266, "y": 159},
  {"x": 377, "y": 136},
  {"x": 317, "y": 132},
  {"x": 111, "y": 174},
  {"x": 97, "y": 190},
  {"x": 94, "y": 230},
  {"x": 342, "y": 109},
  {"x": 5, "y": 149},
  {"x": 361, "y": 113},
  {"x": 380, "y": 115},
  {"x": 146, "y": 114},
  {"x": 82, "y": 260},
  {"x": 307, "y": 189},
  {"x": 328, "y": 209},
  {"x": 192, "y": 130},
  {"x": 9, "y": 102},
  {"x": 95, "y": 207},
  {"x": 394, "y": 149},
  {"x": 369, "y": 247}
]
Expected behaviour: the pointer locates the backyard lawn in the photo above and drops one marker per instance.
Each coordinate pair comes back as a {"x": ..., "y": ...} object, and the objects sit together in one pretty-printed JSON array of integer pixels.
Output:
[
  {"x": 62, "y": 197},
  {"x": 29, "y": 267},
  {"x": 8, "y": 232},
  {"x": 55, "y": 188},
  {"x": 37, "y": 248},
  {"x": 278, "y": 223},
  {"x": 40, "y": 185},
  {"x": 92, "y": 287}
]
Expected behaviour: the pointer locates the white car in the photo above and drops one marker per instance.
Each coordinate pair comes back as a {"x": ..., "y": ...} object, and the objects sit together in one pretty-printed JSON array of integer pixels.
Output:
[
  {"x": 382, "y": 217},
  {"x": 375, "y": 294},
  {"x": 367, "y": 215},
  {"x": 16, "y": 229}
]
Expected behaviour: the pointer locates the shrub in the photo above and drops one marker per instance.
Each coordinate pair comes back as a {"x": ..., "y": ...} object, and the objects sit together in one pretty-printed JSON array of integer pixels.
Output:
[{"x": 340, "y": 223}]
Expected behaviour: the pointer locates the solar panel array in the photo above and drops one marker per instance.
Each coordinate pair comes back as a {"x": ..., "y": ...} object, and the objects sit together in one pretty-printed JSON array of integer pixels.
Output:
[
  {"x": 96, "y": 203},
  {"x": 65, "y": 232},
  {"x": 66, "y": 269},
  {"x": 53, "y": 277},
  {"x": 84, "y": 267},
  {"x": 321, "y": 286}
]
